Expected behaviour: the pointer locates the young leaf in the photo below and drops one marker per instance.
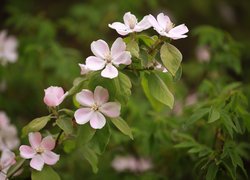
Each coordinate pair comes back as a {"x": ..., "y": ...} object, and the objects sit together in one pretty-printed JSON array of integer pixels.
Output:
[
  {"x": 214, "y": 115},
  {"x": 122, "y": 126},
  {"x": 65, "y": 123},
  {"x": 159, "y": 90},
  {"x": 46, "y": 174},
  {"x": 212, "y": 171},
  {"x": 35, "y": 125},
  {"x": 198, "y": 115},
  {"x": 133, "y": 48},
  {"x": 91, "y": 157},
  {"x": 85, "y": 134},
  {"x": 171, "y": 57}
]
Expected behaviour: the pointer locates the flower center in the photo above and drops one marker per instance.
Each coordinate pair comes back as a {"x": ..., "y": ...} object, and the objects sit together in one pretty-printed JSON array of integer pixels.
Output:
[
  {"x": 169, "y": 26},
  {"x": 132, "y": 23},
  {"x": 95, "y": 107},
  {"x": 39, "y": 150},
  {"x": 108, "y": 59}
]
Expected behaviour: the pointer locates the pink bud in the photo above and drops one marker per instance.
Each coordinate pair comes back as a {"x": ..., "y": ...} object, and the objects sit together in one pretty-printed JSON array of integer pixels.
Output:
[{"x": 54, "y": 96}]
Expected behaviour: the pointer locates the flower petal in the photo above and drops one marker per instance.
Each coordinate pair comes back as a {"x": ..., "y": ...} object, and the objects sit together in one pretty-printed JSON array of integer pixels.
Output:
[
  {"x": 94, "y": 63},
  {"x": 97, "y": 121},
  {"x": 154, "y": 23},
  {"x": 120, "y": 28},
  {"x": 124, "y": 58},
  {"x": 178, "y": 32},
  {"x": 163, "y": 20},
  {"x": 130, "y": 20},
  {"x": 35, "y": 139},
  {"x": 83, "y": 115},
  {"x": 143, "y": 24},
  {"x": 109, "y": 72},
  {"x": 27, "y": 152},
  {"x": 48, "y": 143},
  {"x": 50, "y": 157},
  {"x": 111, "y": 109},
  {"x": 37, "y": 162},
  {"x": 118, "y": 48},
  {"x": 7, "y": 159},
  {"x": 84, "y": 69},
  {"x": 101, "y": 95},
  {"x": 100, "y": 48},
  {"x": 85, "y": 98}
]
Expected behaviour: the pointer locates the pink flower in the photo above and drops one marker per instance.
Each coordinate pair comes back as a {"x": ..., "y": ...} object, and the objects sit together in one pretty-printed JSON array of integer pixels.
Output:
[
  {"x": 40, "y": 151},
  {"x": 95, "y": 105},
  {"x": 8, "y": 45},
  {"x": 130, "y": 24},
  {"x": 84, "y": 69},
  {"x": 165, "y": 27},
  {"x": 8, "y": 133},
  {"x": 7, "y": 159},
  {"x": 107, "y": 59},
  {"x": 54, "y": 96}
]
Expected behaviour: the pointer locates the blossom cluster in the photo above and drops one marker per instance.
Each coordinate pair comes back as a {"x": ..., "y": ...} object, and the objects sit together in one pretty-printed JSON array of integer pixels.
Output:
[{"x": 95, "y": 106}]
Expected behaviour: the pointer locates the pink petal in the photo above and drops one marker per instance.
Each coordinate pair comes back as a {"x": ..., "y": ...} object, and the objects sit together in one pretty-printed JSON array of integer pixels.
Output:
[
  {"x": 143, "y": 24},
  {"x": 35, "y": 139},
  {"x": 48, "y": 143},
  {"x": 7, "y": 159},
  {"x": 37, "y": 162},
  {"x": 100, "y": 48},
  {"x": 101, "y": 95},
  {"x": 117, "y": 48},
  {"x": 84, "y": 69},
  {"x": 109, "y": 72},
  {"x": 163, "y": 20},
  {"x": 130, "y": 20},
  {"x": 50, "y": 157},
  {"x": 97, "y": 121},
  {"x": 95, "y": 63},
  {"x": 85, "y": 98},
  {"x": 54, "y": 96},
  {"x": 124, "y": 58},
  {"x": 83, "y": 115},
  {"x": 154, "y": 23},
  {"x": 111, "y": 109},
  {"x": 27, "y": 152},
  {"x": 120, "y": 28}
]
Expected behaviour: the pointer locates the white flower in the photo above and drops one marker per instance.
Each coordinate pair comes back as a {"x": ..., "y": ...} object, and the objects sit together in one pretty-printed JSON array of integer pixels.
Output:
[
  {"x": 107, "y": 59},
  {"x": 7, "y": 159},
  {"x": 130, "y": 24},
  {"x": 8, "y": 45},
  {"x": 165, "y": 27},
  {"x": 8, "y": 133}
]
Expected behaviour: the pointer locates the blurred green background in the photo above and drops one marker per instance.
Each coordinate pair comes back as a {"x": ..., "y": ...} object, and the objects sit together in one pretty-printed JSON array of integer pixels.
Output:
[{"x": 54, "y": 36}]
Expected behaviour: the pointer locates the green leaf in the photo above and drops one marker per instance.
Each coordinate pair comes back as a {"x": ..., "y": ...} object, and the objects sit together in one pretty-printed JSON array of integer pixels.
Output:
[
  {"x": 198, "y": 114},
  {"x": 65, "y": 123},
  {"x": 171, "y": 57},
  {"x": 46, "y": 174},
  {"x": 91, "y": 157},
  {"x": 122, "y": 126},
  {"x": 133, "y": 48},
  {"x": 36, "y": 125},
  {"x": 85, "y": 134},
  {"x": 69, "y": 145},
  {"x": 78, "y": 86},
  {"x": 178, "y": 74},
  {"x": 159, "y": 90},
  {"x": 13, "y": 169},
  {"x": 214, "y": 115},
  {"x": 212, "y": 171},
  {"x": 147, "y": 40}
]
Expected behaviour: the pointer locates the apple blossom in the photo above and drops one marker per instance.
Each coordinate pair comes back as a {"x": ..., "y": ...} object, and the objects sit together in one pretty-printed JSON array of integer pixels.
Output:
[
  {"x": 7, "y": 159},
  {"x": 40, "y": 151},
  {"x": 107, "y": 59},
  {"x": 131, "y": 163},
  {"x": 165, "y": 27},
  {"x": 8, "y": 45},
  {"x": 130, "y": 24},
  {"x": 84, "y": 69},
  {"x": 95, "y": 105},
  {"x": 8, "y": 133},
  {"x": 54, "y": 96}
]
